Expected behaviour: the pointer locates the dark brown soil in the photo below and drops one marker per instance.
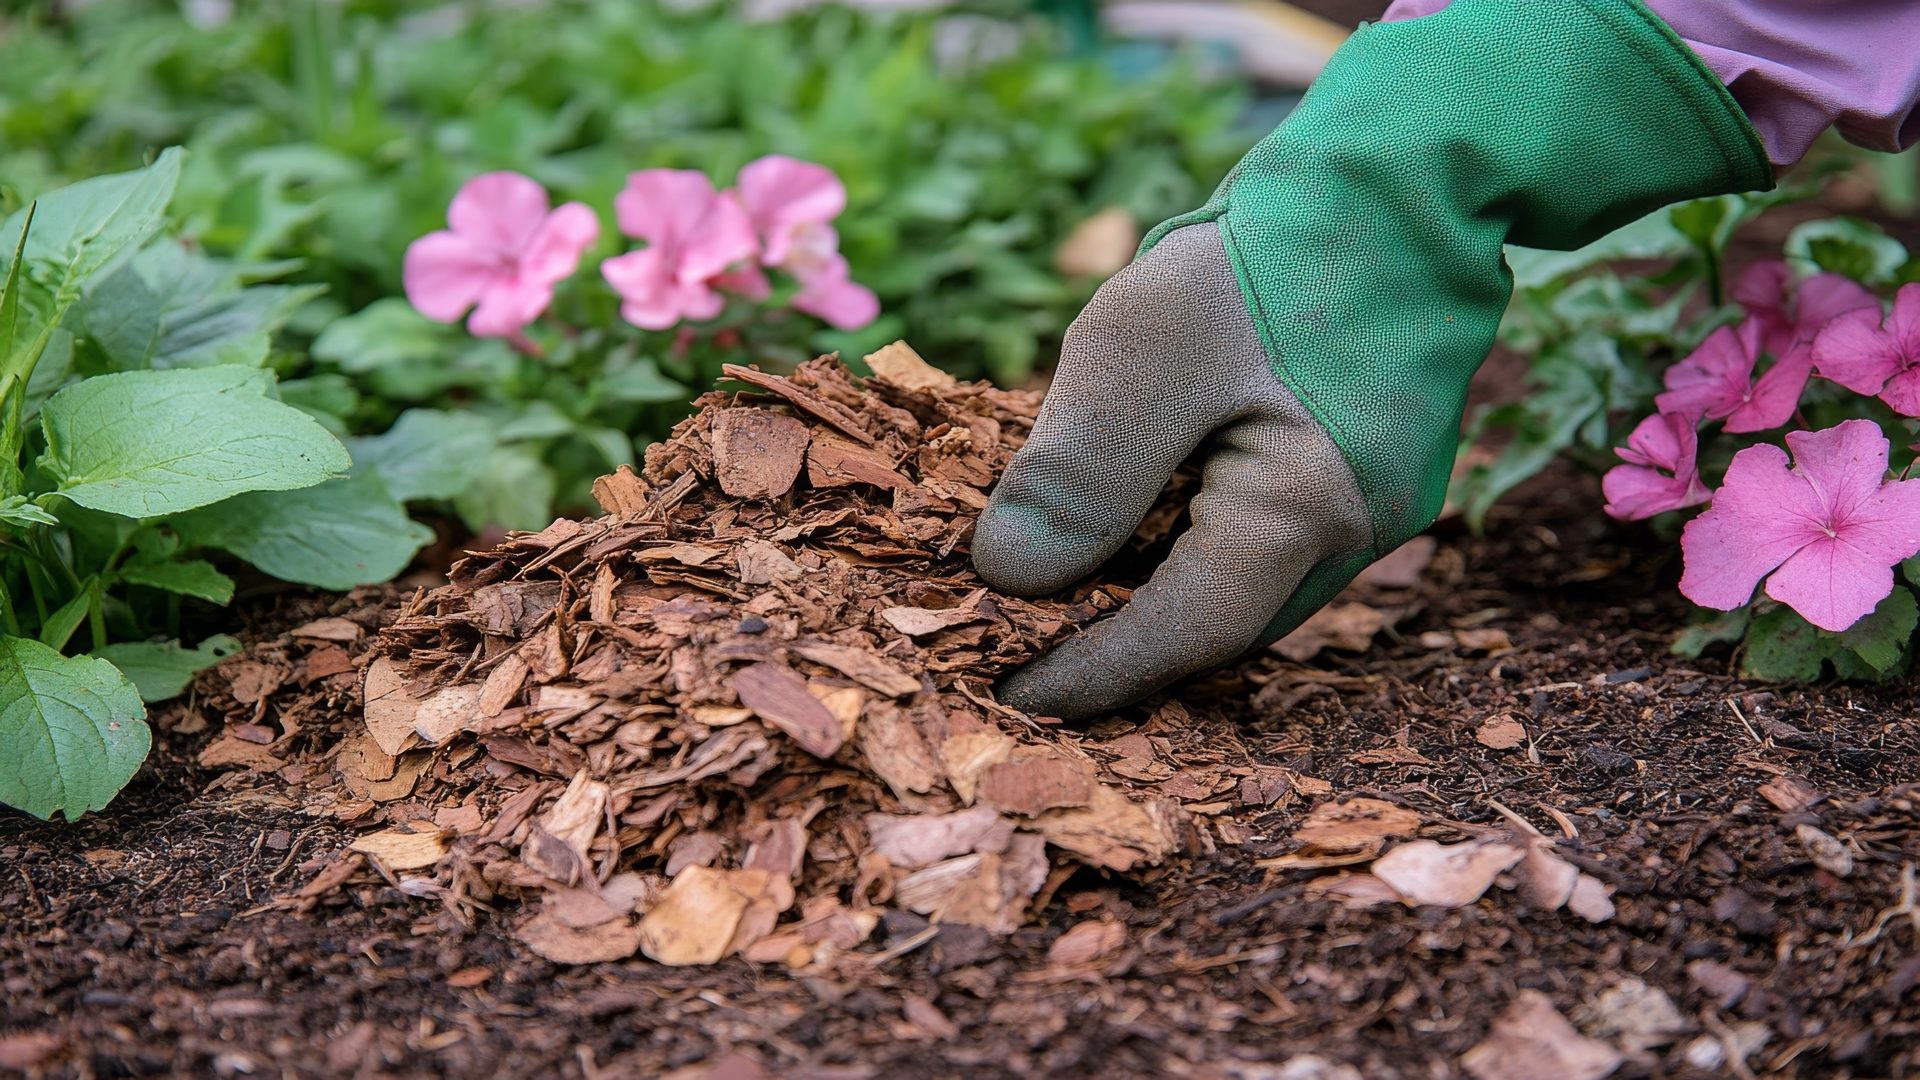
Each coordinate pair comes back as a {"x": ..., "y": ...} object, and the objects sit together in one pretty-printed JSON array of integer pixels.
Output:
[{"x": 137, "y": 943}]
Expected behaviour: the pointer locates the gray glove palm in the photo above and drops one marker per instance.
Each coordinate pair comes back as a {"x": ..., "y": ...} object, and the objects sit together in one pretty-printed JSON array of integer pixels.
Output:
[{"x": 1166, "y": 361}]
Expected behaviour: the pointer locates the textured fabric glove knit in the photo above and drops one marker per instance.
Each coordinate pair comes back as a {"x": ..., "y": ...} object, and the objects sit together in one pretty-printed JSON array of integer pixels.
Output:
[{"x": 1365, "y": 236}]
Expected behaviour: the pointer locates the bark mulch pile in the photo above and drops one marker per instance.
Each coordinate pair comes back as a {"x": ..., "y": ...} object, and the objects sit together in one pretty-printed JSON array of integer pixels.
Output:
[{"x": 741, "y": 713}]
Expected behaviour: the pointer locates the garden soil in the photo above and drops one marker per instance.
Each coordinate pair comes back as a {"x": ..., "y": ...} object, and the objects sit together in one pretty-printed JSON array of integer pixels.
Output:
[{"x": 713, "y": 785}]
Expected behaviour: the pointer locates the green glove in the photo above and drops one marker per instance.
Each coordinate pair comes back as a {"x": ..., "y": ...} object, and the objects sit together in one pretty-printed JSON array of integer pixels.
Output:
[{"x": 1311, "y": 330}]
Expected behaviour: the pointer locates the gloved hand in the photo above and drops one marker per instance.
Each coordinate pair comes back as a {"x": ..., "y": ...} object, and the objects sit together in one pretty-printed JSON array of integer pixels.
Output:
[{"x": 1311, "y": 330}]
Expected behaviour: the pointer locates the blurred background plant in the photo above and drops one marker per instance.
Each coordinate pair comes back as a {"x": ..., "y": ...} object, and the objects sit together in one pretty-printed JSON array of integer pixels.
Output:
[{"x": 995, "y": 171}]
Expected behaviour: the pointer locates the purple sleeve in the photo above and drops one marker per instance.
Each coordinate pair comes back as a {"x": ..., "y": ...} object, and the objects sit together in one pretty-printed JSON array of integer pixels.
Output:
[{"x": 1797, "y": 68}]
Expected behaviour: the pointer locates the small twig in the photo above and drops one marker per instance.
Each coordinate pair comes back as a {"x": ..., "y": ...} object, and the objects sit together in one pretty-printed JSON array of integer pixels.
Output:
[{"x": 1735, "y": 706}]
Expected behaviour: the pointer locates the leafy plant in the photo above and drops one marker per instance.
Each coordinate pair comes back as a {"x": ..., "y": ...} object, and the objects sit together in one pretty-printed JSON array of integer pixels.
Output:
[
  {"x": 137, "y": 428},
  {"x": 1699, "y": 379},
  {"x": 970, "y": 149}
]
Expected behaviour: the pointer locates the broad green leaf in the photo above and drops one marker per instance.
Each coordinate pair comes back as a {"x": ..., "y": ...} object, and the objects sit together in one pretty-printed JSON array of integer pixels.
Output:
[
  {"x": 1783, "y": 647},
  {"x": 537, "y": 420},
  {"x": 384, "y": 332},
  {"x": 169, "y": 307},
  {"x": 192, "y": 577},
  {"x": 77, "y": 231},
  {"x": 1883, "y": 634},
  {"x": 146, "y": 443},
  {"x": 640, "y": 382},
  {"x": 337, "y": 535},
  {"x": 614, "y": 447},
  {"x": 1722, "y": 626},
  {"x": 72, "y": 730},
  {"x": 162, "y": 669},
  {"x": 427, "y": 453},
  {"x": 515, "y": 491}
]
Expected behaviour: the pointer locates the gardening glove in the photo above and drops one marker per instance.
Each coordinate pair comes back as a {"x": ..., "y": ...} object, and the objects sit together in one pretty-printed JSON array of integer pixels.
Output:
[{"x": 1311, "y": 330}]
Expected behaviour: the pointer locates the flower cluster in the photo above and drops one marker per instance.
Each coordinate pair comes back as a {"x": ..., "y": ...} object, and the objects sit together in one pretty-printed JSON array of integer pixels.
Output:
[
  {"x": 504, "y": 250},
  {"x": 1825, "y": 532}
]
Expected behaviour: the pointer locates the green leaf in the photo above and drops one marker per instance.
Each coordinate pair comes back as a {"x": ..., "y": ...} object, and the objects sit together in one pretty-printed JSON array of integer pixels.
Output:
[
  {"x": 72, "y": 730},
  {"x": 427, "y": 453},
  {"x": 1783, "y": 647},
  {"x": 77, "y": 231},
  {"x": 59, "y": 627},
  {"x": 21, "y": 512},
  {"x": 1722, "y": 626},
  {"x": 162, "y": 669},
  {"x": 1650, "y": 237},
  {"x": 10, "y": 298},
  {"x": 193, "y": 577},
  {"x": 340, "y": 534},
  {"x": 1882, "y": 635},
  {"x": 146, "y": 443},
  {"x": 169, "y": 307},
  {"x": 384, "y": 332},
  {"x": 640, "y": 382},
  {"x": 515, "y": 491},
  {"x": 537, "y": 420},
  {"x": 1842, "y": 245}
]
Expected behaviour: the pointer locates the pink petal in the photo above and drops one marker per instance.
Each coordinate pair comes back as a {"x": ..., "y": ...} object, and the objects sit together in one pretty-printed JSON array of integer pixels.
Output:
[
  {"x": 446, "y": 273},
  {"x": 1822, "y": 297},
  {"x": 782, "y": 193},
  {"x": 1887, "y": 526},
  {"x": 508, "y": 306},
  {"x": 1762, "y": 286},
  {"x": 831, "y": 295},
  {"x": 500, "y": 210},
  {"x": 721, "y": 237},
  {"x": 748, "y": 281},
  {"x": 1714, "y": 380},
  {"x": 1635, "y": 493},
  {"x": 644, "y": 280},
  {"x": 1853, "y": 351},
  {"x": 553, "y": 253},
  {"x": 1904, "y": 322},
  {"x": 1761, "y": 515},
  {"x": 1659, "y": 441},
  {"x": 1844, "y": 465},
  {"x": 1903, "y": 392},
  {"x": 1831, "y": 584},
  {"x": 663, "y": 206},
  {"x": 1775, "y": 395}
]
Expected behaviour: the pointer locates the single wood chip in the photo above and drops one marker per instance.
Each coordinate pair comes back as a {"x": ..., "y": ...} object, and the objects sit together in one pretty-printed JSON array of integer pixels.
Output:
[
  {"x": 1444, "y": 875},
  {"x": 1355, "y": 825},
  {"x": 1532, "y": 1040},
  {"x": 901, "y": 366},
  {"x": 399, "y": 849},
  {"x": 331, "y": 629},
  {"x": 779, "y": 696},
  {"x": 695, "y": 919},
  {"x": 621, "y": 493},
  {"x": 389, "y": 709},
  {"x": 832, "y": 463},
  {"x": 1500, "y": 732},
  {"x": 552, "y": 938},
  {"x": 757, "y": 454},
  {"x": 859, "y": 665}
]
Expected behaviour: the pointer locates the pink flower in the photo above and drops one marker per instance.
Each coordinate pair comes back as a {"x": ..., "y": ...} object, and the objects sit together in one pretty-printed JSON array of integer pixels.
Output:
[
  {"x": 1829, "y": 530},
  {"x": 1660, "y": 473},
  {"x": 1867, "y": 355},
  {"x": 1716, "y": 382},
  {"x": 693, "y": 235},
  {"x": 792, "y": 204},
  {"x": 502, "y": 255},
  {"x": 1781, "y": 320}
]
